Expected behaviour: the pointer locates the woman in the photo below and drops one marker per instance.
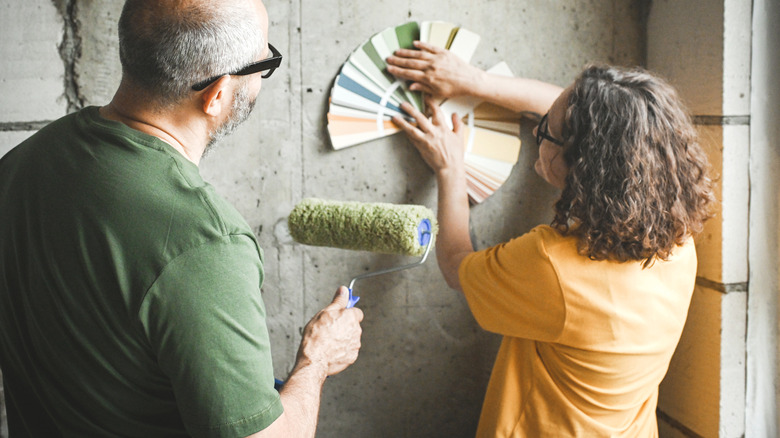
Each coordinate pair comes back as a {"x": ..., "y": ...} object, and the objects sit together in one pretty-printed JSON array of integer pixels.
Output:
[{"x": 591, "y": 307}]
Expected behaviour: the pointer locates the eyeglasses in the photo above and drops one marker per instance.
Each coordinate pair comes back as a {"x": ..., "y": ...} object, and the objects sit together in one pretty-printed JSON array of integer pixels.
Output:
[
  {"x": 543, "y": 133},
  {"x": 268, "y": 65}
]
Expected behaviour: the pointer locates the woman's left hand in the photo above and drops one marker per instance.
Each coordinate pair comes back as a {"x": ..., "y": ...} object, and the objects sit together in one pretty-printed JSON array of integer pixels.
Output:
[
  {"x": 434, "y": 71},
  {"x": 441, "y": 147}
]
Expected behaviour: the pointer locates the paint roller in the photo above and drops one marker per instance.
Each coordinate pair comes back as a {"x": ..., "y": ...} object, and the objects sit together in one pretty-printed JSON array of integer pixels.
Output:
[{"x": 377, "y": 227}]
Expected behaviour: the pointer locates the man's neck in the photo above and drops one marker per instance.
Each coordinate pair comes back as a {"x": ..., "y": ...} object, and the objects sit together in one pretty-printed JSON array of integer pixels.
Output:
[{"x": 169, "y": 127}]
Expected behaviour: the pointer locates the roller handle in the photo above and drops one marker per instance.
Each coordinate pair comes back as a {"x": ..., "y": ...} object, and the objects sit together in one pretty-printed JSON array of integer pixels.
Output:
[
  {"x": 424, "y": 236},
  {"x": 352, "y": 299}
]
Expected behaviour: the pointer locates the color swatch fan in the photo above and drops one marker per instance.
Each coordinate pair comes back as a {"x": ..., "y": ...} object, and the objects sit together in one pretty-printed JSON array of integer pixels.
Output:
[{"x": 365, "y": 97}]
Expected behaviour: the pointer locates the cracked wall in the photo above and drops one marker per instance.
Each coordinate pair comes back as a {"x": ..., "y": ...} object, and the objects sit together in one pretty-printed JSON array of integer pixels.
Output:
[
  {"x": 70, "y": 52},
  {"x": 425, "y": 362}
]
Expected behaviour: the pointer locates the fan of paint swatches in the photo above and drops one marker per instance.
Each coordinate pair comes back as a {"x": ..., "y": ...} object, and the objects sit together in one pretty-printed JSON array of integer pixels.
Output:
[
  {"x": 492, "y": 140},
  {"x": 365, "y": 97}
]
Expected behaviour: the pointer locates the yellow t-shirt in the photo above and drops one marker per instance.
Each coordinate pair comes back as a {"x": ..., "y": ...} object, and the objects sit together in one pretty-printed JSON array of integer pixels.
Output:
[{"x": 586, "y": 343}]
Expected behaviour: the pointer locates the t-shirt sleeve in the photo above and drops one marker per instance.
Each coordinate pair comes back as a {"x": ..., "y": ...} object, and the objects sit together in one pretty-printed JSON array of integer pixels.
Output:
[
  {"x": 513, "y": 290},
  {"x": 205, "y": 319}
]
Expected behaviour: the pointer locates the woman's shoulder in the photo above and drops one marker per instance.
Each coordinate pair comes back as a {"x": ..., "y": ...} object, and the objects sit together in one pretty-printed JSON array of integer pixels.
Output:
[
  {"x": 549, "y": 235},
  {"x": 556, "y": 245},
  {"x": 543, "y": 240}
]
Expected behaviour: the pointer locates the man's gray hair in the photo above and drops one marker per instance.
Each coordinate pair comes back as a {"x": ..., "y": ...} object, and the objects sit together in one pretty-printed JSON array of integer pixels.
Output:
[{"x": 168, "y": 46}]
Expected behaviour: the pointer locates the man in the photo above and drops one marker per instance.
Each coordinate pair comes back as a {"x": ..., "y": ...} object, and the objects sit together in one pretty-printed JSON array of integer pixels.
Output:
[{"x": 130, "y": 297}]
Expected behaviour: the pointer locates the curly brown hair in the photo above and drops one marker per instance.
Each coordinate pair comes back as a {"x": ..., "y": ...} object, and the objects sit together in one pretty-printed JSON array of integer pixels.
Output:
[{"x": 638, "y": 183}]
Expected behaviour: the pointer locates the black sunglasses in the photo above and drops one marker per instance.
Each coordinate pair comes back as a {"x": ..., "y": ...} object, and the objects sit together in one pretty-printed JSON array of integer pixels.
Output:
[
  {"x": 543, "y": 133},
  {"x": 269, "y": 64}
]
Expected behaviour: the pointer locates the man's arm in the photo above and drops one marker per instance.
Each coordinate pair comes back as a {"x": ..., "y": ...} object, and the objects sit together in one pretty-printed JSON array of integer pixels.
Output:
[
  {"x": 440, "y": 73},
  {"x": 330, "y": 344}
]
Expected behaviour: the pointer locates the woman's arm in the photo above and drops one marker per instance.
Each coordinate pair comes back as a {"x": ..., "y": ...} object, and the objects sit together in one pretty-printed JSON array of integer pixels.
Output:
[
  {"x": 442, "y": 150},
  {"x": 442, "y": 74}
]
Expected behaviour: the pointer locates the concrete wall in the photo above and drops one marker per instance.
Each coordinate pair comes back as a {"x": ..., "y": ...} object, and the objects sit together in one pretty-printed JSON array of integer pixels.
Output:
[
  {"x": 763, "y": 387},
  {"x": 425, "y": 363}
]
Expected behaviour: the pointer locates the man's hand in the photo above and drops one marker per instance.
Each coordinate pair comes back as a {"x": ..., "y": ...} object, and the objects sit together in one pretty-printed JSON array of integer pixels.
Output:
[
  {"x": 330, "y": 344},
  {"x": 434, "y": 70},
  {"x": 331, "y": 340}
]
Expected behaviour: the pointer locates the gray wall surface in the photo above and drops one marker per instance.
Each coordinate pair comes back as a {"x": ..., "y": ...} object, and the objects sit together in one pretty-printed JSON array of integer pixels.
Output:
[
  {"x": 424, "y": 364},
  {"x": 763, "y": 378}
]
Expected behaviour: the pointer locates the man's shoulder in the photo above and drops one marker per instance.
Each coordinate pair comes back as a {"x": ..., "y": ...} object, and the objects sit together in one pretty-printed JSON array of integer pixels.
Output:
[
  {"x": 57, "y": 128},
  {"x": 126, "y": 183},
  {"x": 172, "y": 204}
]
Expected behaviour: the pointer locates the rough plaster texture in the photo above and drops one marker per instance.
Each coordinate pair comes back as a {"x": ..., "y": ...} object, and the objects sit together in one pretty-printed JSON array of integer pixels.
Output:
[
  {"x": 425, "y": 362},
  {"x": 679, "y": 32},
  {"x": 31, "y": 71},
  {"x": 732, "y": 365},
  {"x": 763, "y": 386},
  {"x": 735, "y": 203},
  {"x": 737, "y": 33}
]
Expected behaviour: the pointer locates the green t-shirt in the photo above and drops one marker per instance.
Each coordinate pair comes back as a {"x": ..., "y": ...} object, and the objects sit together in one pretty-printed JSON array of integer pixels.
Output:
[{"x": 130, "y": 297}]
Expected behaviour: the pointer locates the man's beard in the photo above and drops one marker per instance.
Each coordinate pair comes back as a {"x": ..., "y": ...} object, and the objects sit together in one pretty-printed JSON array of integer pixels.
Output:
[{"x": 239, "y": 112}]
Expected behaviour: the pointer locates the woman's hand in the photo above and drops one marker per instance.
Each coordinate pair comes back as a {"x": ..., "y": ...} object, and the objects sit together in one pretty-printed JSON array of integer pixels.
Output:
[
  {"x": 434, "y": 70},
  {"x": 440, "y": 146},
  {"x": 443, "y": 150}
]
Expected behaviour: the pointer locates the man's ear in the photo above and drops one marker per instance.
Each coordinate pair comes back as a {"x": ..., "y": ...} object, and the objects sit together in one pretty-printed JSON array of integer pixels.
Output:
[{"x": 217, "y": 96}]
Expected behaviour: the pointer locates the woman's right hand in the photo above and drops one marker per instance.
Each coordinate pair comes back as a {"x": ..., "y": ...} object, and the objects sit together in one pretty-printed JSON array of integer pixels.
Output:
[
  {"x": 434, "y": 70},
  {"x": 442, "y": 148}
]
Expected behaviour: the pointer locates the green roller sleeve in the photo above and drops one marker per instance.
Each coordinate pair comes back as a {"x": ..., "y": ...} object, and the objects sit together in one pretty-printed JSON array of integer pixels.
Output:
[{"x": 377, "y": 227}]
